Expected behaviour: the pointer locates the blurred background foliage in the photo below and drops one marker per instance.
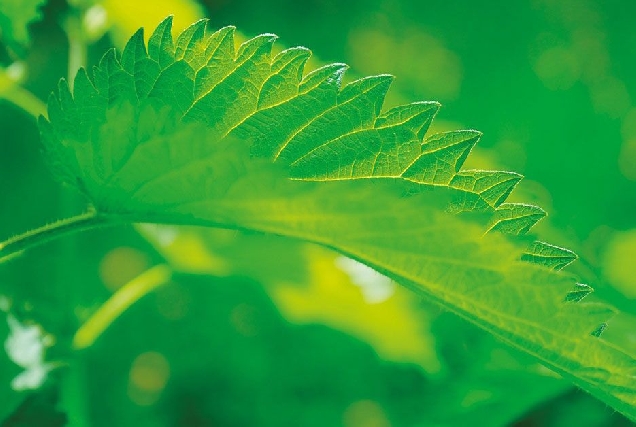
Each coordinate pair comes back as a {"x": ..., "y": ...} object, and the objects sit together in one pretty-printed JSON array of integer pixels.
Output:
[{"x": 256, "y": 330}]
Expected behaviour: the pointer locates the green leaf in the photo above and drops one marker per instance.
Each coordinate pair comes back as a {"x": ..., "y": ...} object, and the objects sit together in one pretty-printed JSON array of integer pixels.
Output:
[
  {"x": 198, "y": 132},
  {"x": 493, "y": 186},
  {"x": 15, "y": 17}
]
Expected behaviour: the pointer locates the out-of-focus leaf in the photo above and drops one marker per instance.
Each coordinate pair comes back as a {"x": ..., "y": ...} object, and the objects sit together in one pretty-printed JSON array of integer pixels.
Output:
[{"x": 308, "y": 285}]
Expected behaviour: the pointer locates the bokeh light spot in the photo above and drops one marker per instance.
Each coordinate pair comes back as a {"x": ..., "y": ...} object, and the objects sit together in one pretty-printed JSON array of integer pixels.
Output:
[
  {"x": 121, "y": 265},
  {"x": 618, "y": 262},
  {"x": 421, "y": 60},
  {"x": 558, "y": 68},
  {"x": 148, "y": 377},
  {"x": 365, "y": 413}
]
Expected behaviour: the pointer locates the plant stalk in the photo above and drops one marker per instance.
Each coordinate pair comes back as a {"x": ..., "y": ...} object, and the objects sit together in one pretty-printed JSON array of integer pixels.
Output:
[
  {"x": 16, "y": 245},
  {"x": 119, "y": 302},
  {"x": 24, "y": 99}
]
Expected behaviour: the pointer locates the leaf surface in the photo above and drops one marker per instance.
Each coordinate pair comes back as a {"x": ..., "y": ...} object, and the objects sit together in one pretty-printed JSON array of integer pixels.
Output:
[{"x": 199, "y": 131}]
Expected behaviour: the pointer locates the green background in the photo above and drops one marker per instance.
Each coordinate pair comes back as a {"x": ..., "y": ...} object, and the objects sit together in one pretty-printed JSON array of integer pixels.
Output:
[{"x": 550, "y": 83}]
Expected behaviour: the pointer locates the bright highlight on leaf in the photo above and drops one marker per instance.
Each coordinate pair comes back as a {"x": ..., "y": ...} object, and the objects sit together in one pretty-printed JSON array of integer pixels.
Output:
[{"x": 199, "y": 131}]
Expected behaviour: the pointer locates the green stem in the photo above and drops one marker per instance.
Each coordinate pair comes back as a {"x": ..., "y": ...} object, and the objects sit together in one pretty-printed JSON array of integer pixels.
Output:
[
  {"x": 119, "y": 302},
  {"x": 74, "y": 398},
  {"x": 24, "y": 99},
  {"x": 75, "y": 394},
  {"x": 33, "y": 238}
]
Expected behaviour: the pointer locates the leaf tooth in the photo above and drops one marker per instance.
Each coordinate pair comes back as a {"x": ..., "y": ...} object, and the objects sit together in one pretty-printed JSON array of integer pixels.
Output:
[
  {"x": 286, "y": 70},
  {"x": 254, "y": 46},
  {"x": 61, "y": 159},
  {"x": 270, "y": 128},
  {"x": 47, "y": 132},
  {"x": 443, "y": 140},
  {"x": 141, "y": 70},
  {"x": 492, "y": 186},
  {"x": 54, "y": 111},
  {"x": 82, "y": 85},
  {"x": 516, "y": 218},
  {"x": 66, "y": 99},
  {"x": 219, "y": 61},
  {"x": 197, "y": 51},
  {"x": 91, "y": 106},
  {"x": 373, "y": 88},
  {"x": 363, "y": 153},
  {"x": 221, "y": 45},
  {"x": 104, "y": 74},
  {"x": 579, "y": 292},
  {"x": 134, "y": 51},
  {"x": 442, "y": 156},
  {"x": 188, "y": 38},
  {"x": 416, "y": 117},
  {"x": 290, "y": 56},
  {"x": 551, "y": 256},
  {"x": 252, "y": 60},
  {"x": 108, "y": 61},
  {"x": 599, "y": 330},
  {"x": 175, "y": 86},
  {"x": 331, "y": 73},
  {"x": 225, "y": 98},
  {"x": 160, "y": 44},
  {"x": 354, "y": 112}
]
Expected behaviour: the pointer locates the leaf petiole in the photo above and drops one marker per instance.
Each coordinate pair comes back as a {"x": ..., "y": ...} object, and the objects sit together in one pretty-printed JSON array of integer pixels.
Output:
[{"x": 16, "y": 245}]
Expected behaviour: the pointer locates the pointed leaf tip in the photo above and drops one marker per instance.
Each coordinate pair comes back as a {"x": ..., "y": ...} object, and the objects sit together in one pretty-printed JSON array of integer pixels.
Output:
[
  {"x": 550, "y": 256},
  {"x": 331, "y": 73},
  {"x": 492, "y": 186},
  {"x": 416, "y": 116},
  {"x": 160, "y": 44},
  {"x": 579, "y": 292},
  {"x": 442, "y": 156},
  {"x": 516, "y": 218}
]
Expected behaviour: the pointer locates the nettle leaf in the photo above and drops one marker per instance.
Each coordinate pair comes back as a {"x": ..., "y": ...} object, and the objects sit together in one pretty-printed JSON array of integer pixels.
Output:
[
  {"x": 199, "y": 131},
  {"x": 15, "y": 17}
]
